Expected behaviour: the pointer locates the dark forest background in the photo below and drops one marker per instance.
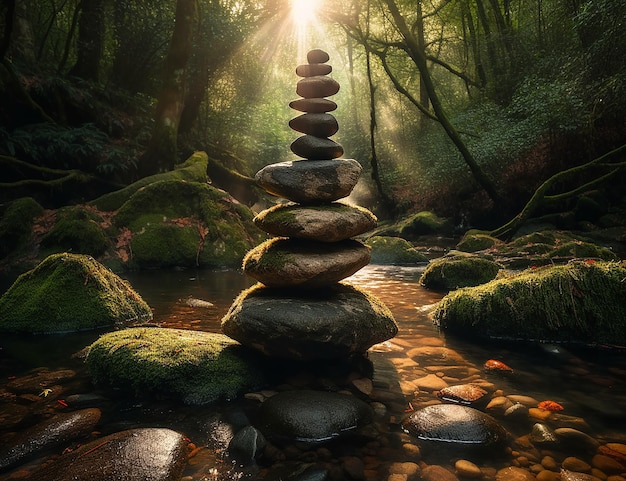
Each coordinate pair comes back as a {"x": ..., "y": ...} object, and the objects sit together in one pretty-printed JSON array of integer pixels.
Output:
[{"x": 461, "y": 107}]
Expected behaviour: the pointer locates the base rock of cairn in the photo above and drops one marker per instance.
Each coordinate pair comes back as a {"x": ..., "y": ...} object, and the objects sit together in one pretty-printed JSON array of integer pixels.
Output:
[{"x": 300, "y": 309}]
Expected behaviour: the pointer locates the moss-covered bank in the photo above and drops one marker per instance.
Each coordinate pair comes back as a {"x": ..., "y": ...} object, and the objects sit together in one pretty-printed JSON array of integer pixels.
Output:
[
  {"x": 394, "y": 250},
  {"x": 458, "y": 270},
  {"x": 195, "y": 367},
  {"x": 69, "y": 292},
  {"x": 582, "y": 301}
]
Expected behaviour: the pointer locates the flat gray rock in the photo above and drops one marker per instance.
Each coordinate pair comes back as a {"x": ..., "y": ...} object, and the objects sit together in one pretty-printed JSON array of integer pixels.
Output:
[
  {"x": 149, "y": 454},
  {"x": 311, "y": 416},
  {"x": 310, "y": 181},
  {"x": 325, "y": 223},
  {"x": 453, "y": 423},
  {"x": 325, "y": 323},
  {"x": 282, "y": 262}
]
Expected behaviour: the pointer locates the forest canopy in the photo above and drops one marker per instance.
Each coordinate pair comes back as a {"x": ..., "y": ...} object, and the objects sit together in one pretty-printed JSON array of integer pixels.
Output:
[{"x": 461, "y": 107}]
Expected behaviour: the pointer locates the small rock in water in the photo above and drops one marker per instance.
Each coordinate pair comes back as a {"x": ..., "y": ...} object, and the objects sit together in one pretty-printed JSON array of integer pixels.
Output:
[
  {"x": 462, "y": 393},
  {"x": 246, "y": 444},
  {"x": 542, "y": 434}
]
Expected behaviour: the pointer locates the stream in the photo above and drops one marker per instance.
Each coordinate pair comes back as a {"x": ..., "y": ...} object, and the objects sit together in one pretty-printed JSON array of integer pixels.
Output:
[{"x": 589, "y": 382}]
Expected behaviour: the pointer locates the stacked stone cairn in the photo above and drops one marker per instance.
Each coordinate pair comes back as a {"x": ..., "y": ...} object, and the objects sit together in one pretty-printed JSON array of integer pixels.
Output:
[{"x": 300, "y": 309}]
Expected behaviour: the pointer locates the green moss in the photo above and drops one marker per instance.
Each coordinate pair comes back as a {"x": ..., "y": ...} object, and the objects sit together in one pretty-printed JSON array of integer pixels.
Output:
[
  {"x": 77, "y": 230},
  {"x": 582, "y": 301},
  {"x": 394, "y": 250},
  {"x": 266, "y": 257},
  {"x": 69, "y": 292},
  {"x": 455, "y": 271},
  {"x": 193, "y": 170},
  {"x": 166, "y": 245},
  {"x": 196, "y": 367},
  {"x": 16, "y": 224},
  {"x": 473, "y": 242},
  {"x": 422, "y": 223}
]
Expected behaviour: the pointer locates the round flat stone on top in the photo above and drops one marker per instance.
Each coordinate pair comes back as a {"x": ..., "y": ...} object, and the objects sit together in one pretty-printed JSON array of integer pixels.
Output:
[
  {"x": 282, "y": 262},
  {"x": 306, "y": 181},
  {"x": 313, "y": 105},
  {"x": 317, "y": 86},
  {"x": 325, "y": 223},
  {"x": 317, "y": 56}
]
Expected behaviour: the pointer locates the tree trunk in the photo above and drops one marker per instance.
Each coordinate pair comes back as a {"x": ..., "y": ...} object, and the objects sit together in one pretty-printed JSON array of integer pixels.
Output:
[
  {"x": 23, "y": 41},
  {"x": 90, "y": 44},
  {"x": 162, "y": 152},
  {"x": 419, "y": 58}
]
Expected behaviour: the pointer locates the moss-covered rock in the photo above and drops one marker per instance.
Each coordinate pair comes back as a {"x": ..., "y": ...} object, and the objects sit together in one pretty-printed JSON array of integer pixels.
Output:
[
  {"x": 422, "y": 223},
  {"x": 16, "y": 224},
  {"x": 77, "y": 229},
  {"x": 194, "y": 169},
  {"x": 581, "y": 301},
  {"x": 394, "y": 250},
  {"x": 459, "y": 270},
  {"x": 69, "y": 292},
  {"x": 195, "y": 367},
  {"x": 186, "y": 224},
  {"x": 474, "y": 241}
]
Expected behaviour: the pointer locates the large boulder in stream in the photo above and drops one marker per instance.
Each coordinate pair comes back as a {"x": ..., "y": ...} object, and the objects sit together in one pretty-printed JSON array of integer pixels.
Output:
[
  {"x": 69, "y": 292},
  {"x": 580, "y": 302},
  {"x": 193, "y": 366},
  {"x": 326, "y": 323},
  {"x": 458, "y": 269},
  {"x": 147, "y": 454}
]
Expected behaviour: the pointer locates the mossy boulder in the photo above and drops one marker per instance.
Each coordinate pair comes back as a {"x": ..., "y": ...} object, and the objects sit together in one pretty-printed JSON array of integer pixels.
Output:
[
  {"x": 394, "y": 250},
  {"x": 175, "y": 223},
  {"x": 69, "y": 292},
  {"x": 549, "y": 247},
  {"x": 581, "y": 301},
  {"x": 77, "y": 229},
  {"x": 16, "y": 224},
  {"x": 194, "y": 169},
  {"x": 459, "y": 270},
  {"x": 193, "y": 366},
  {"x": 422, "y": 223},
  {"x": 474, "y": 241}
]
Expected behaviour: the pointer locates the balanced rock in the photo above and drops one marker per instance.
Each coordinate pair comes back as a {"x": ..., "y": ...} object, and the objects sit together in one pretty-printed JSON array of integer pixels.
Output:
[
  {"x": 310, "y": 181},
  {"x": 453, "y": 423},
  {"x": 325, "y": 223},
  {"x": 314, "y": 105},
  {"x": 282, "y": 262},
  {"x": 318, "y": 125},
  {"x": 326, "y": 323},
  {"x": 313, "y": 69},
  {"x": 317, "y": 86},
  {"x": 316, "y": 148},
  {"x": 148, "y": 454},
  {"x": 317, "y": 56},
  {"x": 311, "y": 416}
]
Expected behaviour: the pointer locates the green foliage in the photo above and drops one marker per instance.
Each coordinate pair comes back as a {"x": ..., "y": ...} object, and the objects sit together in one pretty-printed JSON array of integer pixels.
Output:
[
  {"x": 578, "y": 302},
  {"x": 69, "y": 292},
  {"x": 16, "y": 224},
  {"x": 195, "y": 367}
]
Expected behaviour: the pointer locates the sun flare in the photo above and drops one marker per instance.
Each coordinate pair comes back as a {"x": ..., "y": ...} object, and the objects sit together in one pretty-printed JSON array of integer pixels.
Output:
[{"x": 304, "y": 12}]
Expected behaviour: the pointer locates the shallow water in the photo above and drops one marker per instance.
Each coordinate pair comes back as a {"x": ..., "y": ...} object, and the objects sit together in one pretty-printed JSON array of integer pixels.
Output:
[{"x": 589, "y": 383}]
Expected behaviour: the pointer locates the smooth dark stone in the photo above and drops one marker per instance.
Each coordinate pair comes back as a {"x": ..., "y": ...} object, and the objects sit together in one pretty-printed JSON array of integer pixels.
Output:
[
  {"x": 311, "y": 416},
  {"x": 314, "y": 69},
  {"x": 292, "y": 262},
  {"x": 307, "y": 181},
  {"x": 318, "y": 125},
  {"x": 325, "y": 223},
  {"x": 317, "y": 56},
  {"x": 317, "y": 86},
  {"x": 246, "y": 444},
  {"x": 452, "y": 423},
  {"x": 314, "y": 105},
  {"x": 316, "y": 148},
  {"x": 49, "y": 434},
  {"x": 148, "y": 454}
]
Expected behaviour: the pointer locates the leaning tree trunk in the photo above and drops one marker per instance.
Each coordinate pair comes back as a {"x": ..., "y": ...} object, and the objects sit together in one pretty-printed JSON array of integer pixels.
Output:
[
  {"x": 418, "y": 56},
  {"x": 162, "y": 152}
]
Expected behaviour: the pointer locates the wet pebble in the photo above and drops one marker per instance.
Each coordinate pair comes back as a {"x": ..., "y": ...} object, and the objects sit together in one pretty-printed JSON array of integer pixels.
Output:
[
  {"x": 513, "y": 473},
  {"x": 572, "y": 463},
  {"x": 608, "y": 465},
  {"x": 438, "y": 473},
  {"x": 467, "y": 469}
]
